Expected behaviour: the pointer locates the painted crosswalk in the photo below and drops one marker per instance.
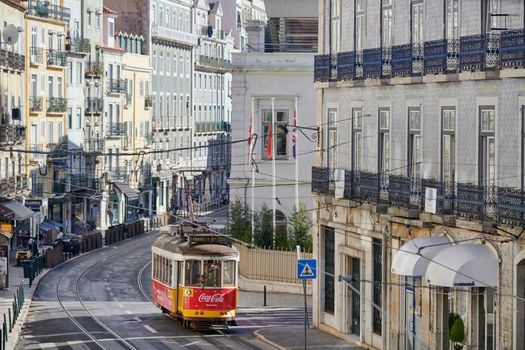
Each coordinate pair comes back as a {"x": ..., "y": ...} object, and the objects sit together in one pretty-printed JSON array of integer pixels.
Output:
[{"x": 271, "y": 317}]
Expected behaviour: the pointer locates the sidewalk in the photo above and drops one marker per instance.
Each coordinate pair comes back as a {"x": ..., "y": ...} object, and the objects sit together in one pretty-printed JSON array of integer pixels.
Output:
[
  {"x": 16, "y": 278},
  {"x": 293, "y": 338}
]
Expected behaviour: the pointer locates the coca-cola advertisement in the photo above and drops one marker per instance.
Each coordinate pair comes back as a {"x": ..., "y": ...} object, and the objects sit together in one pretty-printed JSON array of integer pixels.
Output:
[
  {"x": 211, "y": 299},
  {"x": 163, "y": 295}
]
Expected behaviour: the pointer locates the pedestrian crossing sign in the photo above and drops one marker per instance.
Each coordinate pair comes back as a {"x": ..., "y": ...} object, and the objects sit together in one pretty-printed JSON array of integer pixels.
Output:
[{"x": 306, "y": 269}]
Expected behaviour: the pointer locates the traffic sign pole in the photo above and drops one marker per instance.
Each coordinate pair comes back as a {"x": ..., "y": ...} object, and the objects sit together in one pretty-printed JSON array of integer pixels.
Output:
[{"x": 304, "y": 291}]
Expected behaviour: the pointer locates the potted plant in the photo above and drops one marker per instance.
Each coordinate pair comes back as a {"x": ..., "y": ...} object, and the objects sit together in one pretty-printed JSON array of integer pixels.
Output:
[{"x": 456, "y": 332}]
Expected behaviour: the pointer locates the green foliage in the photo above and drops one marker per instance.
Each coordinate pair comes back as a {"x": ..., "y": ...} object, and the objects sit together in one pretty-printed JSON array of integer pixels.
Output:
[
  {"x": 299, "y": 226},
  {"x": 240, "y": 221},
  {"x": 264, "y": 228},
  {"x": 452, "y": 317},
  {"x": 457, "y": 333}
]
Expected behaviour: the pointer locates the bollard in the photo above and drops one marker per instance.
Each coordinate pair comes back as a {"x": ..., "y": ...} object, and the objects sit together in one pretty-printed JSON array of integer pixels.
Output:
[
  {"x": 10, "y": 325},
  {"x": 264, "y": 296}
]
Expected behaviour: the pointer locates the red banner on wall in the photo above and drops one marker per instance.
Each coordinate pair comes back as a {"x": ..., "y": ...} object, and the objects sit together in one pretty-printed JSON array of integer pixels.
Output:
[
  {"x": 164, "y": 296},
  {"x": 210, "y": 299}
]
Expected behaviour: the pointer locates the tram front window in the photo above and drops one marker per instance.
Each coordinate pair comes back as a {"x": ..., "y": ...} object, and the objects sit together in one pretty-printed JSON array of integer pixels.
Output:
[
  {"x": 228, "y": 268},
  {"x": 212, "y": 273},
  {"x": 192, "y": 273}
]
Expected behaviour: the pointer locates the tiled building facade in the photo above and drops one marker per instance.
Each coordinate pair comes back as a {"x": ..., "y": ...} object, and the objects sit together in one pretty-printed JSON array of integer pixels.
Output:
[{"x": 420, "y": 105}]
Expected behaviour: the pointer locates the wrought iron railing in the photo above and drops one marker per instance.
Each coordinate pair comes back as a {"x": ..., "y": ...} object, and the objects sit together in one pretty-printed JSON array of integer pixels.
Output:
[
  {"x": 116, "y": 129},
  {"x": 94, "y": 105},
  {"x": 81, "y": 45},
  {"x": 80, "y": 182},
  {"x": 12, "y": 60},
  {"x": 56, "y": 58},
  {"x": 45, "y": 9},
  {"x": 212, "y": 62},
  {"x": 94, "y": 69},
  {"x": 117, "y": 86},
  {"x": 94, "y": 145},
  {"x": 56, "y": 105},
  {"x": 491, "y": 51},
  {"x": 36, "y": 55},
  {"x": 10, "y": 134},
  {"x": 148, "y": 102},
  {"x": 468, "y": 201},
  {"x": 35, "y": 104}
]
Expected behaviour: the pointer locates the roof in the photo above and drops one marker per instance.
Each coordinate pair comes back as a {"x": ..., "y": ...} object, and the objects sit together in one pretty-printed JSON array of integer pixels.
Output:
[
  {"x": 21, "y": 212},
  {"x": 177, "y": 245},
  {"x": 109, "y": 11},
  {"x": 126, "y": 190},
  {"x": 14, "y": 3}
]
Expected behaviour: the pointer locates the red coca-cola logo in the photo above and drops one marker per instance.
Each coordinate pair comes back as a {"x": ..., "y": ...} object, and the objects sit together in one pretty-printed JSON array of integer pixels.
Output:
[{"x": 211, "y": 298}]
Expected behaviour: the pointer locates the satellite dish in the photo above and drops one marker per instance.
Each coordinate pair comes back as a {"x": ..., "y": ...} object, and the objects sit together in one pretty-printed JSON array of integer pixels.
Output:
[{"x": 10, "y": 34}]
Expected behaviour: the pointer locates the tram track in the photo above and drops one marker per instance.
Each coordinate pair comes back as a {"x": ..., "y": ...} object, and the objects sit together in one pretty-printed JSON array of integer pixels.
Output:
[{"x": 102, "y": 343}]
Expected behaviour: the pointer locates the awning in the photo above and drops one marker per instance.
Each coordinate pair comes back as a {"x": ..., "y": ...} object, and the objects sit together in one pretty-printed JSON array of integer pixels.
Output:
[
  {"x": 464, "y": 265},
  {"x": 127, "y": 190},
  {"x": 413, "y": 257},
  {"x": 21, "y": 211},
  {"x": 47, "y": 225}
]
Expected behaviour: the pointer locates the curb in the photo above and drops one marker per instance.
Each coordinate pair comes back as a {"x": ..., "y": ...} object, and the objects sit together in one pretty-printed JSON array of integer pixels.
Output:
[
  {"x": 14, "y": 337},
  {"x": 266, "y": 340}
]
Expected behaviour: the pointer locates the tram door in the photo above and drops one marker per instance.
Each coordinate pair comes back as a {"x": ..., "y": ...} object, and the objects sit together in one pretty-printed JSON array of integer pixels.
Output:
[{"x": 177, "y": 273}]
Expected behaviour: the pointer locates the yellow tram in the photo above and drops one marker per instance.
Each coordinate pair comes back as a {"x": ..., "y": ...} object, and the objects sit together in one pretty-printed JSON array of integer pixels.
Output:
[{"x": 194, "y": 276}]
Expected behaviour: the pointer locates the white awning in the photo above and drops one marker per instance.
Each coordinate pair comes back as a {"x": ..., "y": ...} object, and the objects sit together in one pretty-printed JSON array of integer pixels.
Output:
[
  {"x": 413, "y": 257},
  {"x": 21, "y": 211},
  {"x": 464, "y": 265}
]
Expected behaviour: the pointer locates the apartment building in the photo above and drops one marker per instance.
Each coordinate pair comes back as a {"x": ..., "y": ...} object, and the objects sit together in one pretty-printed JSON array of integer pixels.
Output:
[
  {"x": 236, "y": 15},
  {"x": 275, "y": 73},
  {"x": 15, "y": 219},
  {"x": 418, "y": 187},
  {"x": 212, "y": 106},
  {"x": 45, "y": 33}
]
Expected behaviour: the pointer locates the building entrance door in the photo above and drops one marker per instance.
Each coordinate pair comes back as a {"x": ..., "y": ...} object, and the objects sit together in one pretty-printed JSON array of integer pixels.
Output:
[
  {"x": 412, "y": 317},
  {"x": 353, "y": 302}
]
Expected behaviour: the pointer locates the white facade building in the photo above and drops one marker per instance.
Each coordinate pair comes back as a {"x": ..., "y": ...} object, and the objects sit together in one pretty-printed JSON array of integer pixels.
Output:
[{"x": 281, "y": 70}]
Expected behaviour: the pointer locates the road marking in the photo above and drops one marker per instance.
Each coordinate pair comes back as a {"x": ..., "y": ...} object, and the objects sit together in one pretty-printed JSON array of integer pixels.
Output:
[
  {"x": 48, "y": 345},
  {"x": 193, "y": 343},
  {"x": 121, "y": 306},
  {"x": 138, "y": 319},
  {"x": 128, "y": 312},
  {"x": 150, "y": 329}
]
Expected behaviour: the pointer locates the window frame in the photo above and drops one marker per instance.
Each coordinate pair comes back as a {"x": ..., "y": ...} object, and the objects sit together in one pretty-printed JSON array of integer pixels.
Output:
[
  {"x": 486, "y": 137},
  {"x": 414, "y": 139},
  {"x": 451, "y": 133},
  {"x": 357, "y": 130},
  {"x": 275, "y": 131},
  {"x": 383, "y": 148}
]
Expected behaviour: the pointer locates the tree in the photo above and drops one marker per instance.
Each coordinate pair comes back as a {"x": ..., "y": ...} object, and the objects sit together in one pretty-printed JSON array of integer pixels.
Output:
[
  {"x": 457, "y": 333},
  {"x": 240, "y": 221},
  {"x": 264, "y": 228},
  {"x": 299, "y": 227}
]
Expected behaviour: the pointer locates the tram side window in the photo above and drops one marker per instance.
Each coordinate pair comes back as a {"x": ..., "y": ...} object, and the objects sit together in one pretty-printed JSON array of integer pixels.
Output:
[
  {"x": 212, "y": 273},
  {"x": 192, "y": 273},
  {"x": 228, "y": 268}
]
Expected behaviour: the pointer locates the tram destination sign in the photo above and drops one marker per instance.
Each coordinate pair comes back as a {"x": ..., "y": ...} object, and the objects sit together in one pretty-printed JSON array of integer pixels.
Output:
[{"x": 209, "y": 239}]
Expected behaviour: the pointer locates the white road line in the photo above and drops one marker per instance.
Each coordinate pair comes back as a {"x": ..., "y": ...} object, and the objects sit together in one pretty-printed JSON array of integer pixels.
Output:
[
  {"x": 128, "y": 312},
  {"x": 139, "y": 320},
  {"x": 121, "y": 306},
  {"x": 192, "y": 343},
  {"x": 48, "y": 345},
  {"x": 150, "y": 329}
]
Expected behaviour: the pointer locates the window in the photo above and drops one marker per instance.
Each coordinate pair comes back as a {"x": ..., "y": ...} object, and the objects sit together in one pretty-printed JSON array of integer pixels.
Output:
[
  {"x": 487, "y": 151},
  {"x": 212, "y": 273},
  {"x": 329, "y": 269},
  {"x": 89, "y": 18},
  {"x": 483, "y": 300},
  {"x": 228, "y": 277},
  {"x": 336, "y": 25},
  {"x": 50, "y": 132},
  {"x": 59, "y": 131},
  {"x": 79, "y": 73},
  {"x": 192, "y": 272},
  {"x": 278, "y": 132},
  {"x": 452, "y": 19},
  {"x": 377, "y": 255},
  {"x": 386, "y": 24},
  {"x": 42, "y": 129},
  {"x": 69, "y": 118},
  {"x": 384, "y": 145},
  {"x": 79, "y": 118},
  {"x": 59, "y": 86},
  {"x": 489, "y": 22},
  {"x": 50, "y": 40},
  {"x": 50, "y": 86},
  {"x": 417, "y": 22},
  {"x": 359, "y": 24},
  {"x": 97, "y": 17},
  {"x": 357, "y": 138},
  {"x": 448, "y": 144},
  {"x": 332, "y": 140},
  {"x": 414, "y": 143},
  {"x": 70, "y": 73}
]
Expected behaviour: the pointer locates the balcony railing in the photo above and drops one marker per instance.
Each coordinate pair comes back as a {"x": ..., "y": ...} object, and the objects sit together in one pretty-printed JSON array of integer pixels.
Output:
[
  {"x": 117, "y": 86},
  {"x": 80, "y": 182},
  {"x": 59, "y": 187},
  {"x": 11, "y": 134},
  {"x": 81, "y": 45},
  {"x": 491, "y": 51},
  {"x": 469, "y": 201},
  {"x": 56, "y": 105},
  {"x": 213, "y": 33},
  {"x": 35, "y": 104},
  {"x": 45, "y": 9},
  {"x": 94, "y": 145},
  {"x": 12, "y": 60},
  {"x": 116, "y": 129},
  {"x": 94, "y": 105},
  {"x": 36, "y": 55},
  {"x": 212, "y": 62},
  {"x": 56, "y": 58},
  {"x": 94, "y": 69}
]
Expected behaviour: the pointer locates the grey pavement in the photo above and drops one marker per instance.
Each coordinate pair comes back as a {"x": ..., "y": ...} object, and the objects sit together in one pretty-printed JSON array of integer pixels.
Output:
[
  {"x": 256, "y": 299},
  {"x": 293, "y": 338}
]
